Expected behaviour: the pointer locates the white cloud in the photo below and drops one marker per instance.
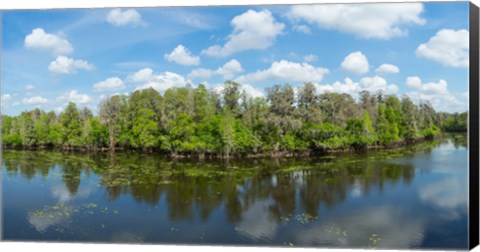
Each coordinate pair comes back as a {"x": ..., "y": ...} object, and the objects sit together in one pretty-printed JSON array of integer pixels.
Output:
[
  {"x": 29, "y": 87},
  {"x": 356, "y": 63},
  {"x": 437, "y": 94},
  {"x": 40, "y": 40},
  {"x": 252, "y": 91},
  {"x": 378, "y": 21},
  {"x": 252, "y": 30},
  {"x": 302, "y": 28},
  {"x": 348, "y": 87},
  {"x": 118, "y": 17},
  {"x": 227, "y": 71},
  {"x": 310, "y": 58},
  {"x": 249, "y": 89},
  {"x": 65, "y": 65},
  {"x": 35, "y": 100},
  {"x": 387, "y": 69},
  {"x": 200, "y": 73},
  {"x": 110, "y": 84},
  {"x": 162, "y": 82},
  {"x": 427, "y": 88},
  {"x": 6, "y": 98},
  {"x": 142, "y": 75},
  {"x": 371, "y": 84},
  {"x": 286, "y": 71},
  {"x": 230, "y": 68},
  {"x": 376, "y": 83},
  {"x": 449, "y": 47},
  {"x": 74, "y": 96},
  {"x": 59, "y": 110},
  {"x": 181, "y": 55}
]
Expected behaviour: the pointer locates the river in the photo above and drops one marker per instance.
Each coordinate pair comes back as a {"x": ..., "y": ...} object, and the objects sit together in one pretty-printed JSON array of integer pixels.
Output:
[{"x": 412, "y": 197}]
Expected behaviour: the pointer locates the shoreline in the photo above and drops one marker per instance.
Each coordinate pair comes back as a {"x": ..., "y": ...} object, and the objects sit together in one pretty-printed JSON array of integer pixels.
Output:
[{"x": 223, "y": 156}]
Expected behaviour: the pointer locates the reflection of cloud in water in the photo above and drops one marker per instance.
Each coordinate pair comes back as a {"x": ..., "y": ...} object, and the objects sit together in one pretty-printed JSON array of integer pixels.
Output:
[
  {"x": 60, "y": 213},
  {"x": 356, "y": 189},
  {"x": 49, "y": 216},
  {"x": 256, "y": 223},
  {"x": 450, "y": 194},
  {"x": 127, "y": 237},
  {"x": 445, "y": 149},
  {"x": 395, "y": 228},
  {"x": 60, "y": 192}
]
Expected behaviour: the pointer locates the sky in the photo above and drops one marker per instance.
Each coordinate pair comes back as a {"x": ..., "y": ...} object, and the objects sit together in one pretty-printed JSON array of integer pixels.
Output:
[{"x": 52, "y": 57}]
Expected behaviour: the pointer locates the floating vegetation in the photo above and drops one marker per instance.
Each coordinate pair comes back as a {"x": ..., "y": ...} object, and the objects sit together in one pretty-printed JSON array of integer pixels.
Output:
[
  {"x": 39, "y": 213},
  {"x": 89, "y": 205},
  {"x": 305, "y": 218},
  {"x": 374, "y": 239}
]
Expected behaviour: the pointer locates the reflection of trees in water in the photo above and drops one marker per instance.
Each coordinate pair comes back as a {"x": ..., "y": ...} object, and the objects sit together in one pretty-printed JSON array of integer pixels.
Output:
[
  {"x": 459, "y": 140},
  {"x": 196, "y": 188}
]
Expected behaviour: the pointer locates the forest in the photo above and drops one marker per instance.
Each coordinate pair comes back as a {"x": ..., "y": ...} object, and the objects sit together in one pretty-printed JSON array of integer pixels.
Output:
[{"x": 190, "y": 121}]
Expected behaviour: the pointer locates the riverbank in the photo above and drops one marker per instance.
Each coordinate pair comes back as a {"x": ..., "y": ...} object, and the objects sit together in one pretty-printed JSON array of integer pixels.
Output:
[{"x": 237, "y": 155}]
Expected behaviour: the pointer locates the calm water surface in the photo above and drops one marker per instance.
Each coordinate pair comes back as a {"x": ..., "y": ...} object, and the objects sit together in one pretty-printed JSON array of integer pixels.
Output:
[{"x": 405, "y": 198}]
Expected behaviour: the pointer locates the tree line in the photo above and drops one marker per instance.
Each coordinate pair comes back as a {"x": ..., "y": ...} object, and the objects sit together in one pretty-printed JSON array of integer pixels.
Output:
[{"x": 198, "y": 121}]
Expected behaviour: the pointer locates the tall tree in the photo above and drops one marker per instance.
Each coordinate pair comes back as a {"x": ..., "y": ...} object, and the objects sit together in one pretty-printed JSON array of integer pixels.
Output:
[{"x": 110, "y": 116}]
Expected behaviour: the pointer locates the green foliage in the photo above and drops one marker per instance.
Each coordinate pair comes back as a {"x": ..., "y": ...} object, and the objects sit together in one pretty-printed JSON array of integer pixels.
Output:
[
  {"x": 430, "y": 132},
  {"x": 186, "y": 120}
]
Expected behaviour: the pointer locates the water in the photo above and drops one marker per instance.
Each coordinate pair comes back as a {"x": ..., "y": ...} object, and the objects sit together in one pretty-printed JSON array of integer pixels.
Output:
[{"x": 413, "y": 197}]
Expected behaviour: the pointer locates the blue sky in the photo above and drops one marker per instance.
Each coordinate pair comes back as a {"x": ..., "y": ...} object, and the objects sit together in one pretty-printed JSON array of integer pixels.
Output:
[{"x": 51, "y": 57}]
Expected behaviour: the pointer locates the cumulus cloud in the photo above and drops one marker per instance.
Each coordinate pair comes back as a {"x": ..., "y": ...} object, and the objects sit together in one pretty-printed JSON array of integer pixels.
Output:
[
  {"x": 427, "y": 88},
  {"x": 252, "y": 30},
  {"x": 146, "y": 78},
  {"x": 247, "y": 88},
  {"x": 65, "y": 65},
  {"x": 6, "y": 98},
  {"x": 76, "y": 97},
  {"x": 35, "y": 100},
  {"x": 448, "y": 47},
  {"x": 227, "y": 71},
  {"x": 29, "y": 87},
  {"x": 142, "y": 75},
  {"x": 230, "y": 69},
  {"x": 377, "y": 83},
  {"x": 131, "y": 17},
  {"x": 437, "y": 94},
  {"x": 371, "y": 84},
  {"x": 252, "y": 91},
  {"x": 387, "y": 69},
  {"x": 181, "y": 55},
  {"x": 110, "y": 84},
  {"x": 369, "y": 21},
  {"x": 286, "y": 71},
  {"x": 348, "y": 87},
  {"x": 356, "y": 63},
  {"x": 42, "y": 41}
]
